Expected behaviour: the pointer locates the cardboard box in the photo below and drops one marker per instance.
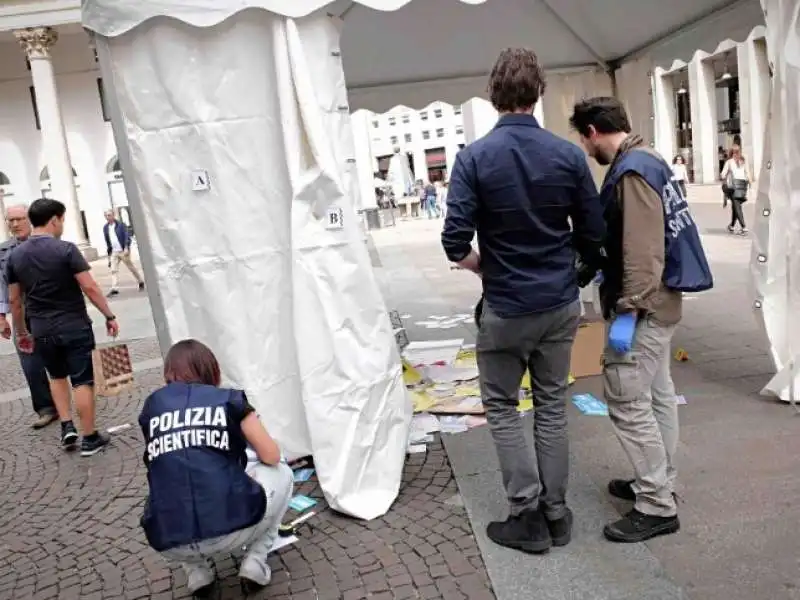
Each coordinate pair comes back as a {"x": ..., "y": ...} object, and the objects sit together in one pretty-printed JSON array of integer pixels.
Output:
[{"x": 587, "y": 351}]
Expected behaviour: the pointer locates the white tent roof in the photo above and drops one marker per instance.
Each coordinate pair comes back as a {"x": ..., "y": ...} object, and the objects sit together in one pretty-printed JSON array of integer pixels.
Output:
[{"x": 406, "y": 52}]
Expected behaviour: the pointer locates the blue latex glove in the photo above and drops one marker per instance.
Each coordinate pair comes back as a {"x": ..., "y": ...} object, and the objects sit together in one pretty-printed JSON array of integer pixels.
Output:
[
  {"x": 620, "y": 334},
  {"x": 599, "y": 278}
]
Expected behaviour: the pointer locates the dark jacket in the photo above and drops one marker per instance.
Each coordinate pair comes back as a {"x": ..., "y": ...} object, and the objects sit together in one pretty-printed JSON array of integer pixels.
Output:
[
  {"x": 123, "y": 236},
  {"x": 195, "y": 458},
  {"x": 531, "y": 199}
]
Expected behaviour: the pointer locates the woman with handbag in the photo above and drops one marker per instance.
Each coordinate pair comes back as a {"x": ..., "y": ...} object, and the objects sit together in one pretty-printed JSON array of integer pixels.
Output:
[{"x": 735, "y": 183}]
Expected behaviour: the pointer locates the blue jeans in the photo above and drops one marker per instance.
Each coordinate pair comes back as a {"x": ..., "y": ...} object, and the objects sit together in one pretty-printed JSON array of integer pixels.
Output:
[{"x": 38, "y": 383}]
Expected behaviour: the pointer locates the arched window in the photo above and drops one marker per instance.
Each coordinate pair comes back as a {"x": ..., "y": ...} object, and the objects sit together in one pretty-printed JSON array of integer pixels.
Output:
[
  {"x": 113, "y": 165},
  {"x": 45, "y": 174}
]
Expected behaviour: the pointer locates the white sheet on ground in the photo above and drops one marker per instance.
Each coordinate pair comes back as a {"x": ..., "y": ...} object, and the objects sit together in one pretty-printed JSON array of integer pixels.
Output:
[{"x": 251, "y": 265}]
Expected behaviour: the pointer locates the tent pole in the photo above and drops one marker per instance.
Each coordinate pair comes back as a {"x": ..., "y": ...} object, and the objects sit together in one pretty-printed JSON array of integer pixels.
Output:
[{"x": 132, "y": 191}]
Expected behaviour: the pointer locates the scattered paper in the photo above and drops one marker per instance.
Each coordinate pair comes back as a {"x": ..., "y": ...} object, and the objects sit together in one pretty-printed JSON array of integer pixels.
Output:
[
  {"x": 118, "y": 428},
  {"x": 449, "y": 374},
  {"x": 589, "y": 405},
  {"x": 428, "y": 353},
  {"x": 681, "y": 399},
  {"x": 425, "y": 423},
  {"x": 302, "y": 475},
  {"x": 281, "y": 542},
  {"x": 417, "y": 449},
  {"x": 458, "y": 405},
  {"x": 453, "y": 424},
  {"x": 475, "y": 421},
  {"x": 301, "y": 503}
]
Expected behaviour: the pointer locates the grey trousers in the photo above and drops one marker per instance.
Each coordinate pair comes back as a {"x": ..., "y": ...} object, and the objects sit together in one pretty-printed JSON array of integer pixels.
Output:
[
  {"x": 278, "y": 482},
  {"x": 644, "y": 414},
  {"x": 541, "y": 343}
]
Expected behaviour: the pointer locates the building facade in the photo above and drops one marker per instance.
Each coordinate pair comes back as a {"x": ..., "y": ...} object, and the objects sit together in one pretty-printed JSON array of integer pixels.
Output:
[
  {"x": 430, "y": 137},
  {"x": 703, "y": 107},
  {"x": 55, "y": 135}
]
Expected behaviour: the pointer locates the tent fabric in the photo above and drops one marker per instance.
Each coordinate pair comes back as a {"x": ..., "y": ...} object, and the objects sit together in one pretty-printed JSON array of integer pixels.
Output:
[
  {"x": 774, "y": 265},
  {"x": 404, "y": 52},
  {"x": 266, "y": 262}
]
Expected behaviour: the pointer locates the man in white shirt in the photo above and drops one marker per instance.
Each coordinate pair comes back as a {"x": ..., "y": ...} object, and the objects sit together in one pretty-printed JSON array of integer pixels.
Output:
[{"x": 118, "y": 246}]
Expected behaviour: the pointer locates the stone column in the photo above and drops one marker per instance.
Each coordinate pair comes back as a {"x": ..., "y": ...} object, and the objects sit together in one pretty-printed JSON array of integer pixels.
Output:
[
  {"x": 37, "y": 43},
  {"x": 4, "y": 233},
  {"x": 754, "y": 84},
  {"x": 664, "y": 108},
  {"x": 703, "y": 100}
]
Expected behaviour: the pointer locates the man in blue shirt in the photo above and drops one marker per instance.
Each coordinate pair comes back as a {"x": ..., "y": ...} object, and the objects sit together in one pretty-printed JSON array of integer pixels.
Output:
[{"x": 531, "y": 199}]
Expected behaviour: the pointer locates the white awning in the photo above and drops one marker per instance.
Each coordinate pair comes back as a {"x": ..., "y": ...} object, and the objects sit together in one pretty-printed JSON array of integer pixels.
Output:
[{"x": 406, "y": 52}]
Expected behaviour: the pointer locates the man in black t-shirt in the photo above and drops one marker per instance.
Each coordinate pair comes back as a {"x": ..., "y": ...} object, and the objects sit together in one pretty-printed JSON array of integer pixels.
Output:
[{"x": 53, "y": 276}]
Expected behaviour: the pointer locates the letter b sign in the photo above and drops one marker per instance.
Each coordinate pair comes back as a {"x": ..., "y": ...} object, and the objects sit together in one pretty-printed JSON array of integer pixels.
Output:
[{"x": 334, "y": 218}]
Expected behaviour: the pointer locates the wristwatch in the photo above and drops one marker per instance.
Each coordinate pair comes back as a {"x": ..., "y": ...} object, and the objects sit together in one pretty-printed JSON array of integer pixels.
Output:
[{"x": 111, "y": 318}]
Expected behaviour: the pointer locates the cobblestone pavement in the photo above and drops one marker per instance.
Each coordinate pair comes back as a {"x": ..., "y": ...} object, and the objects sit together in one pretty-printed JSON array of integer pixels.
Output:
[{"x": 69, "y": 526}]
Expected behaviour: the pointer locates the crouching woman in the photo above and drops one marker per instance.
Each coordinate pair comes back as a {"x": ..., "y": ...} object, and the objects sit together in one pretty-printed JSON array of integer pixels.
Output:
[{"x": 204, "y": 500}]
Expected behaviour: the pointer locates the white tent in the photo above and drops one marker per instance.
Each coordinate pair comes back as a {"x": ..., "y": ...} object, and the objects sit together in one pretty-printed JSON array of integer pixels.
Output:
[
  {"x": 399, "y": 176},
  {"x": 252, "y": 93}
]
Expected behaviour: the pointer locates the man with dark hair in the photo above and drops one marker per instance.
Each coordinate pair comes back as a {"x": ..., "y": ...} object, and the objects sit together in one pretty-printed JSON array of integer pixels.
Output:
[
  {"x": 520, "y": 187},
  {"x": 17, "y": 219},
  {"x": 653, "y": 254},
  {"x": 53, "y": 276}
]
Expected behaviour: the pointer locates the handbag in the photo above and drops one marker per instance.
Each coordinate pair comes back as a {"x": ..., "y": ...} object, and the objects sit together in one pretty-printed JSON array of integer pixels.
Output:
[
  {"x": 739, "y": 189},
  {"x": 113, "y": 370}
]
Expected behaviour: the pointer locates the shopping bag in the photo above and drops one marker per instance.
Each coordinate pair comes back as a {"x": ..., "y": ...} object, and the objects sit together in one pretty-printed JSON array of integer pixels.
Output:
[{"x": 113, "y": 370}]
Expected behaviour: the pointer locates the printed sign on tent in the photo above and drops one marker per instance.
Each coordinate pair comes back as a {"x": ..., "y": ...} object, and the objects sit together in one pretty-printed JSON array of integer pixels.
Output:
[
  {"x": 200, "y": 181},
  {"x": 334, "y": 218}
]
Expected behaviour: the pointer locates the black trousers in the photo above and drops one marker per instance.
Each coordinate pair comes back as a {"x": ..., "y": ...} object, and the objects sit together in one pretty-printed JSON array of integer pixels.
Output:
[{"x": 737, "y": 214}]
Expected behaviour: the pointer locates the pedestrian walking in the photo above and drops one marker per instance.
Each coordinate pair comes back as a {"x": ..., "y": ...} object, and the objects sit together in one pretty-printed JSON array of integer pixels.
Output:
[
  {"x": 53, "y": 276},
  {"x": 118, "y": 246},
  {"x": 654, "y": 253},
  {"x": 32, "y": 366},
  {"x": 531, "y": 199},
  {"x": 735, "y": 177}
]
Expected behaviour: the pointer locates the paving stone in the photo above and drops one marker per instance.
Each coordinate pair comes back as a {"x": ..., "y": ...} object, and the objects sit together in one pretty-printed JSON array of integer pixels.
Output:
[{"x": 49, "y": 496}]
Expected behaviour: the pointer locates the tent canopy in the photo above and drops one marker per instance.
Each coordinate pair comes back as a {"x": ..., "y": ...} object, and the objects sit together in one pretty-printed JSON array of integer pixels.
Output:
[{"x": 406, "y": 52}]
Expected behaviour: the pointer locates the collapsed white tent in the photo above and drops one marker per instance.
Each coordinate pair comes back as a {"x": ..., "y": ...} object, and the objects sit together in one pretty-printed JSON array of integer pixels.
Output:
[{"x": 252, "y": 93}]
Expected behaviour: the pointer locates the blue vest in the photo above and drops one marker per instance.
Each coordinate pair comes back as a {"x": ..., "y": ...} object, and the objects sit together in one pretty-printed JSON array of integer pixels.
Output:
[
  {"x": 195, "y": 458},
  {"x": 685, "y": 266}
]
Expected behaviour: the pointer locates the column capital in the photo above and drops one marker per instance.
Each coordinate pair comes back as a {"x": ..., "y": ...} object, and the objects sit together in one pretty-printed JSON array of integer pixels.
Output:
[{"x": 36, "y": 41}]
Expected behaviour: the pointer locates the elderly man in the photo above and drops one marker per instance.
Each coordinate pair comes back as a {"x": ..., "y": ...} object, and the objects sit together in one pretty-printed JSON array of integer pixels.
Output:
[
  {"x": 531, "y": 199},
  {"x": 32, "y": 366},
  {"x": 118, "y": 246}
]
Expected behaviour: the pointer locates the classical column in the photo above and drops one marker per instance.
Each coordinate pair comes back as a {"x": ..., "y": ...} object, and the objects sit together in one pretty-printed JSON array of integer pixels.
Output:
[
  {"x": 754, "y": 82},
  {"x": 4, "y": 233},
  {"x": 365, "y": 165},
  {"x": 37, "y": 43},
  {"x": 664, "y": 112},
  {"x": 703, "y": 100}
]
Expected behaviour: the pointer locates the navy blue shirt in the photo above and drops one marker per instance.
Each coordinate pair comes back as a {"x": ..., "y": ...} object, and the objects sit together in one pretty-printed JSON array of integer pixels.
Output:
[
  {"x": 530, "y": 197},
  {"x": 45, "y": 268}
]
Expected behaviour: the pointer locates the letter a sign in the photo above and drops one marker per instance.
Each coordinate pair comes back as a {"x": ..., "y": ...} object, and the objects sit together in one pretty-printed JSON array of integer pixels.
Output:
[
  {"x": 333, "y": 218},
  {"x": 200, "y": 181}
]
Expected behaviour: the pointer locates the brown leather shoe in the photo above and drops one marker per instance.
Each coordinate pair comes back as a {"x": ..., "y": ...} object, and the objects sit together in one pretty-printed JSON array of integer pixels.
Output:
[{"x": 44, "y": 420}]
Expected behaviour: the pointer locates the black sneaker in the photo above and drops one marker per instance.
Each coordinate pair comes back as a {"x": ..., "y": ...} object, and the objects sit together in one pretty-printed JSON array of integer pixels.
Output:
[
  {"x": 622, "y": 489},
  {"x": 92, "y": 444},
  {"x": 527, "y": 532},
  {"x": 141, "y": 286},
  {"x": 112, "y": 293},
  {"x": 69, "y": 436},
  {"x": 639, "y": 527},
  {"x": 561, "y": 529}
]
